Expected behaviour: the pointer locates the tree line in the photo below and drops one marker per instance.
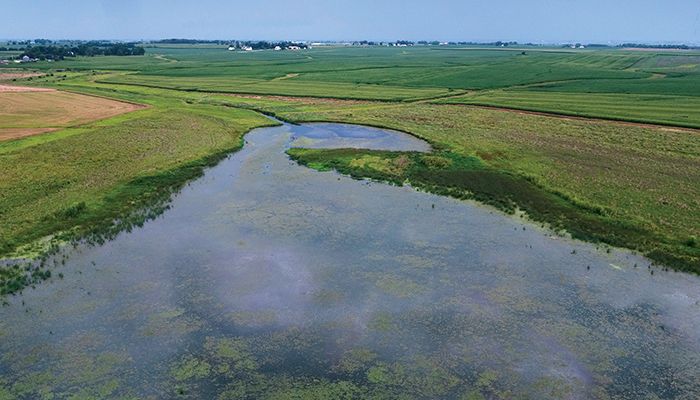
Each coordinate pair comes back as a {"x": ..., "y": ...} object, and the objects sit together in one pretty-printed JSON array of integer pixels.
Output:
[
  {"x": 88, "y": 49},
  {"x": 657, "y": 46},
  {"x": 264, "y": 45}
]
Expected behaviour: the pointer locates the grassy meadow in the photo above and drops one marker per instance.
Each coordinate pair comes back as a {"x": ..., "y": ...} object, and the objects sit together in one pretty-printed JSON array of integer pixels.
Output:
[{"x": 621, "y": 184}]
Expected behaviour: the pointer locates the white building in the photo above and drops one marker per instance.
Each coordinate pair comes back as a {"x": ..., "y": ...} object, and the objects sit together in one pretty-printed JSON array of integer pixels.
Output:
[
  {"x": 231, "y": 48},
  {"x": 277, "y": 48}
]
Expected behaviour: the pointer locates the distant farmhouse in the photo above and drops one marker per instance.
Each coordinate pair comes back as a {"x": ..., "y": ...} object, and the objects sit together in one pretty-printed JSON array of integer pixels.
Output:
[{"x": 264, "y": 45}]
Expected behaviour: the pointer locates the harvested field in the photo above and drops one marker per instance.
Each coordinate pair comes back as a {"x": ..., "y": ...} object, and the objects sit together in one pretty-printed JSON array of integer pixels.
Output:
[
  {"x": 31, "y": 111},
  {"x": 17, "y": 89}
]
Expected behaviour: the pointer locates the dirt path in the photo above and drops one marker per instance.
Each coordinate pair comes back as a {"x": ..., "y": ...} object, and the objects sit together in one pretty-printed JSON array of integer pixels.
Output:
[
  {"x": 288, "y": 76},
  {"x": 22, "y": 89}
]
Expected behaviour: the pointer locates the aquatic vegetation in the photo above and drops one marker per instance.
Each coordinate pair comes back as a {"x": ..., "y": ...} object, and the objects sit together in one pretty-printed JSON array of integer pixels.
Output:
[
  {"x": 397, "y": 286},
  {"x": 233, "y": 352},
  {"x": 5, "y": 393},
  {"x": 190, "y": 368},
  {"x": 169, "y": 322},
  {"x": 356, "y": 361},
  {"x": 252, "y": 319},
  {"x": 469, "y": 178}
]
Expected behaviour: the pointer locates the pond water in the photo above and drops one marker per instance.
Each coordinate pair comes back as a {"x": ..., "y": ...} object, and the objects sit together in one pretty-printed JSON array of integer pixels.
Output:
[{"x": 267, "y": 279}]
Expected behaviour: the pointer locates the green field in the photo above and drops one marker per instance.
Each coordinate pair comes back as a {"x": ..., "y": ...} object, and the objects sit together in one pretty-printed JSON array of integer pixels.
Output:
[
  {"x": 639, "y": 86},
  {"x": 630, "y": 186},
  {"x": 673, "y": 110}
]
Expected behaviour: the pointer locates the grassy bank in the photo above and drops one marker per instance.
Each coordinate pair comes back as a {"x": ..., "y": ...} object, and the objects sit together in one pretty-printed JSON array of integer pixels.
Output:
[
  {"x": 450, "y": 174},
  {"x": 95, "y": 180},
  {"x": 628, "y": 186}
]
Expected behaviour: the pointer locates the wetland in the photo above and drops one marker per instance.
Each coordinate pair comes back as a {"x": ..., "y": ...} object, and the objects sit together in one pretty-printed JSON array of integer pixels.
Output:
[{"x": 268, "y": 279}]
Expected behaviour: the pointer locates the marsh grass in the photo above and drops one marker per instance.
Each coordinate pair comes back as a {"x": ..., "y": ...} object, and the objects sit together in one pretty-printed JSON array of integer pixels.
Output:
[{"x": 468, "y": 178}]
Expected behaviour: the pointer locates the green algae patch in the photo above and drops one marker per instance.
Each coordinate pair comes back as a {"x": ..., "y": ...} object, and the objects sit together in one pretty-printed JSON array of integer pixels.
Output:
[
  {"x": 169, "y": 322},
  {"x": 421, "y": 377},
  {"x": 233, "y": 353},
  {"x": 190, "y": 368},
  {"x": 397, "y": 286},
  {"x": 320, "y": 390},
  {"x": 355, "y": 361},
  {"x": 5, "y": 393},
  {"x": 253, "y": 319}
]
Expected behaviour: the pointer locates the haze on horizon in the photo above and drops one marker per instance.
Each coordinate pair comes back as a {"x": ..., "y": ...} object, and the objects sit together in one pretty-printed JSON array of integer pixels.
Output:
[{"x": 538, "y": 21}]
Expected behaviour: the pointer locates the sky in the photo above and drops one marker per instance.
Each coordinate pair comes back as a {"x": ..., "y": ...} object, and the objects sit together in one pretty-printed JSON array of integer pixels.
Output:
[{"x": 537, "y": 21}]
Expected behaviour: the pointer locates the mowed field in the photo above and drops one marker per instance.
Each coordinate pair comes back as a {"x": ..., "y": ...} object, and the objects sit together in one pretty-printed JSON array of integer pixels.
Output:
[{"x": 26, "y": 111}]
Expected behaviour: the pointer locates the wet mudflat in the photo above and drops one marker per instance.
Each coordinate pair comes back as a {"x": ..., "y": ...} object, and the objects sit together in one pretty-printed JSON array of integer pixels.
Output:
[{"x": 270, "y": 280}]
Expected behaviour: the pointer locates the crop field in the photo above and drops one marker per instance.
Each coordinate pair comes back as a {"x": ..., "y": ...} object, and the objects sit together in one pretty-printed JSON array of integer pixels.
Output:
[
  {"x": 612, "y": 182},
  {"x": 638, "y": 86},
  {"x": 683, "y": 111},
  {"x": 30, "y": 111},
  {"x": 8, "y": 54},
  {"x": 285, "y": 87}
]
